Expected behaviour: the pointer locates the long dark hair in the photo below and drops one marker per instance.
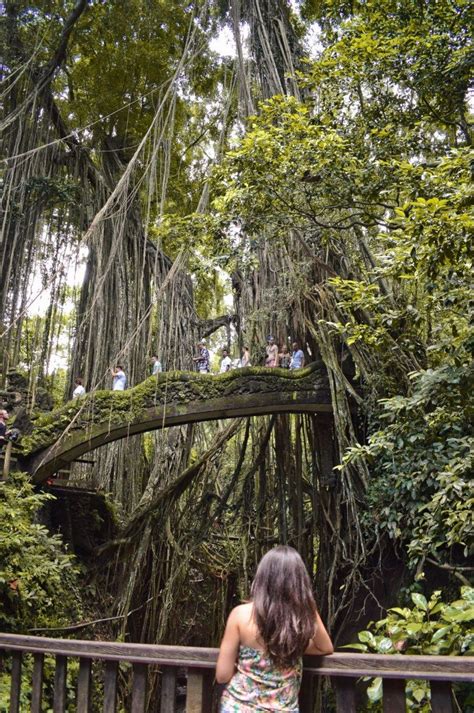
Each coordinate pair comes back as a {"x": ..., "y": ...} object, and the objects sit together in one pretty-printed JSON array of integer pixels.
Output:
[{"x": 283, "y": 604}]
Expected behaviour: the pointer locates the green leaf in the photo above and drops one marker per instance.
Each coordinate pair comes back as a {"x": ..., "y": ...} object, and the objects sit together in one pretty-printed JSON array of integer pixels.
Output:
[
  {"x": 358, "y": 647},
  {"x": 367, "y": 637},
  {"x": 418, "y": 694},
  {"x": 414, "y": 628},
  {"x": 440, "y": 633},
  {"x": 419, "y": 600},
  {"x": 385, "y": 646},
  {"x": 375, "y": 691}
]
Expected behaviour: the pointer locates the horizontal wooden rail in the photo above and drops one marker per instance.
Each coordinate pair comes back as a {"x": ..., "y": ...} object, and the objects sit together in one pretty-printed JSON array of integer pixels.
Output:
[
  {"x": 444, "y": 668},
  {"x": 198, "y": 664}
]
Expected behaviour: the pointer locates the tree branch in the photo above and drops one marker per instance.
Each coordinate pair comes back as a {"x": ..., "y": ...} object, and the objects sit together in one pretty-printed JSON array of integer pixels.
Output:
[
  {"x": 84, "y": 624},
  {"x": 41, "y": 78},
  {"x": 454, "y": 569},
  {"x": 209, "y": 326},
  {"x": 60, "y": 54}
]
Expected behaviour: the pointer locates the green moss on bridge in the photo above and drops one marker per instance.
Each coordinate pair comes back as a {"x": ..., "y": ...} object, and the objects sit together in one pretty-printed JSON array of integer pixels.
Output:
[{"x": 169, "y": 388}]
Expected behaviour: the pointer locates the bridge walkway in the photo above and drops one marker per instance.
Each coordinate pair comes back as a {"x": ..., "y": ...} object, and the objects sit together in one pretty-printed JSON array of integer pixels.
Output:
[{"x": 171, "y": 398}]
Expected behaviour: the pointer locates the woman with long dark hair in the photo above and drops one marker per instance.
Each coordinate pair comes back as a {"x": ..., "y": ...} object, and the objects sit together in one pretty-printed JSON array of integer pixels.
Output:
[{"x": 260, "y": 657}]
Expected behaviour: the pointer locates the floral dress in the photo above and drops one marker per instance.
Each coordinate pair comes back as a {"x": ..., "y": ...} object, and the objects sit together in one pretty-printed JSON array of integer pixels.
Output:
[
  {"x": 259, "y": 685},
  {"x": 271, "y": 355}
]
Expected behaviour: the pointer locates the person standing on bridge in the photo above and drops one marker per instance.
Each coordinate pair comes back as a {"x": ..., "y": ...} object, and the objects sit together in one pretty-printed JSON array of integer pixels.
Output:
[
  {"x": 226, "y": 362},
  {"x": 203, "y": 359},
  {"x": 245, "y": 358},
  {"x": 3, "y": 427},
  {"x": 284, "y": 358},
  {"x": 79, "y": 390},
  {"x": 297, "y": 357},
  {"x": 156, "y": 367},
  {"x": 120, "y": 380},
  {"x": 271, "y": 352},
  {"x": 260, "y": 657},
  {"x": 7, "y": 434}
]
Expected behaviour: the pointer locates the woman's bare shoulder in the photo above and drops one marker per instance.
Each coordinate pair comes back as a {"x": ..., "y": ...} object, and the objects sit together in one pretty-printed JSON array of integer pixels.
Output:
[
  {"x": 242, "y": 614},
  {"x": 243, "y": 611}
]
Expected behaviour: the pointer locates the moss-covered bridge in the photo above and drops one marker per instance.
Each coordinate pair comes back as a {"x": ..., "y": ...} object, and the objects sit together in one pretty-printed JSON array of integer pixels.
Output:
[{"x": 169, "y": 399}]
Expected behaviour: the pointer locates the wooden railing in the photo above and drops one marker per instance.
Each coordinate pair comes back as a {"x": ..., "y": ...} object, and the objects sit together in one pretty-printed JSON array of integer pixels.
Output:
[{"x": 195, "y": 666}]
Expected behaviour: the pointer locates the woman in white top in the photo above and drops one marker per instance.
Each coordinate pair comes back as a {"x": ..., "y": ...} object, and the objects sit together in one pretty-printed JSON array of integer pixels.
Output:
[
  {"x": 120, "y": 380},
  {"x": 79, "y": 390}
]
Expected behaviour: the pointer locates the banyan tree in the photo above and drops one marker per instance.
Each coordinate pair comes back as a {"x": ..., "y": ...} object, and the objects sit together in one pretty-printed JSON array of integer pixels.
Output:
[{"x": 156, "y": 191}]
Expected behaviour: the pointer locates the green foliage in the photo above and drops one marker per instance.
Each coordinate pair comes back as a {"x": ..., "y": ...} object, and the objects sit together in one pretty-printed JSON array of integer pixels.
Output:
[
  {"x": 38, "y": 579},
  {"x": 204, "y": 258},
  {"x": 50, "y": 191},
  {"x": 374, "y": 171},
  {"x": 429, "y": 627},
  {"x": 426, "y": 253},
  {"x": 422, "y": 492}
]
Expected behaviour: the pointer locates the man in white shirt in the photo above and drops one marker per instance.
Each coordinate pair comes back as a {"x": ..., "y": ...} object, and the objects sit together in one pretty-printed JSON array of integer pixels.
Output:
[
  {"x": 297, "y": 357},
  {"x": 79, "y": 389},
  {"x": 156, "y": 365},
  {"x": 120, "y": 380},
  {"x": 226, "y": 361}
]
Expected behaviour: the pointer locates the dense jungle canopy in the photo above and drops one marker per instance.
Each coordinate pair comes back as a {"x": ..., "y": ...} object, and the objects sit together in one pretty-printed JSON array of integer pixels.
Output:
[{"x": 228, "y": 170}]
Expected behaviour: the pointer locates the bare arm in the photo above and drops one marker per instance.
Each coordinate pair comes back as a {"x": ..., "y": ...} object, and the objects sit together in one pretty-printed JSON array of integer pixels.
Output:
[
  {"x": 229, "y": 649},
  {"x": 321, "y": 642}
]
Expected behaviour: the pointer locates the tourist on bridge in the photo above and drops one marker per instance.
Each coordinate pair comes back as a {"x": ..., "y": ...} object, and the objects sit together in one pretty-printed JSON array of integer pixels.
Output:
[
  {"x": 120, "y": 380},
  {"x": 245, "y": 358},
  {"x": 7, "y": 434},
  {"x": 156, "y": 367},
  {"x": 3, "y": 427},
  {"x": 284, "y": 358},
  {"x": 203, "y": 359},
  {"x": 260, "y": 658},
  {"x": 79, "y": 390},
  {"x": 297, "y": 357},
  {"x": 271, "y": 352},
  {"x": 226, "y": 362}
]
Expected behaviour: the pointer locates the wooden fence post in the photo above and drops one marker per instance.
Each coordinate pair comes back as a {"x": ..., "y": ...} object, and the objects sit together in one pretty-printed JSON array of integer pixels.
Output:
[
  {"x": 394, "y": 700},
  {"x": 168, "y": 690},
  {"x": 15, "y": 685},
  {"x": 37, "y": 686},
  {"x": 84, "y": 686},
  {"x": 199, "y": 691},
  {"x": 441, "y": 697},
  {"x": 110, "y": 686},
  {"x": 345, "y": 694},
  {"x": 59, "y": 704}
]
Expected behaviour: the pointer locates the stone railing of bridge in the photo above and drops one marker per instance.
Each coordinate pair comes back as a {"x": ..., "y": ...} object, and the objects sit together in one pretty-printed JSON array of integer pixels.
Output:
[
  {"x": 97, "y": 676},
  {"x": 171, "y": 398}
]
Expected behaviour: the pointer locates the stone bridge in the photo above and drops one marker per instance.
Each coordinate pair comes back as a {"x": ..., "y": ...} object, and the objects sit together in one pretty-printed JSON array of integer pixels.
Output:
[{"x": 172, "y": 398}]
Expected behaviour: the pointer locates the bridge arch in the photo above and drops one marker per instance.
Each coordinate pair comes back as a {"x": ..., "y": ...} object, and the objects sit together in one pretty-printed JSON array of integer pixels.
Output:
[{"x": 171, "y": 398}]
